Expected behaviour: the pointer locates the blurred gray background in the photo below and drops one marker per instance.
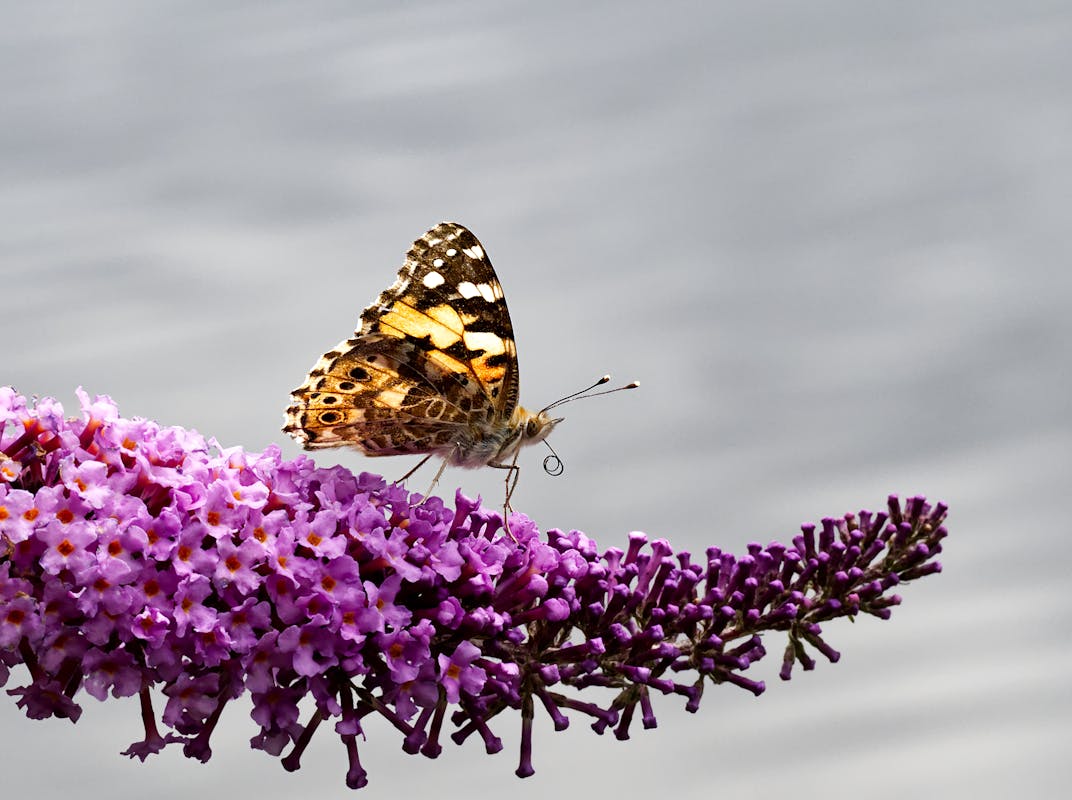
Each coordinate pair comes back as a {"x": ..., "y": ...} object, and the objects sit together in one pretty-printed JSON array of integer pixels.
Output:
[{"x": 831, "y": 239}]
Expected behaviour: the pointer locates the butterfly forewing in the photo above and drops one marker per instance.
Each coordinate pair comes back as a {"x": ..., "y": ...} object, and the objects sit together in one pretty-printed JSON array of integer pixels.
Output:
[
  {"x": 448, "y": 300},
  {"x": 433, "y": 360}
]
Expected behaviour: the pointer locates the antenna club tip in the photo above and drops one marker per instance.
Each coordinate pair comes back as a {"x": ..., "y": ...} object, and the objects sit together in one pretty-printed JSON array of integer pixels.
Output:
[
  {"x": 633, "y": 385},
  {"x": 603, "y": 380}
]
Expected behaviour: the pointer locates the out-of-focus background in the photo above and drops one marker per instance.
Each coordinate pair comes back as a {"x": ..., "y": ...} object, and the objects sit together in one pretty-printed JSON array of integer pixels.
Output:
[{"x": 831, "y": 239}]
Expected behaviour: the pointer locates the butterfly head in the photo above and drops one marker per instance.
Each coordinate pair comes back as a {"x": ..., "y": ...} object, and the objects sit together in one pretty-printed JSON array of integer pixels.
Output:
[{"x": 538, "y": 426}]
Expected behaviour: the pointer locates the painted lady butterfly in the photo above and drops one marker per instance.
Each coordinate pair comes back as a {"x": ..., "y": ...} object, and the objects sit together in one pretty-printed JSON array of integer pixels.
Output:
[{"x": 432, "y": 370}]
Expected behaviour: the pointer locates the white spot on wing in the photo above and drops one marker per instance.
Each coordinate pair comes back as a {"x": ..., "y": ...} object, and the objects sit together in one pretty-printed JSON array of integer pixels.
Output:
[
  {"x": 438, "y": 263},
  {"x": 486, "y": 290},
  {"x": 433, "y": 279},
  {"x": 475, "y": 252},
  {"x": 483, "y": 340},
  {"x": 452, "y": 252}
]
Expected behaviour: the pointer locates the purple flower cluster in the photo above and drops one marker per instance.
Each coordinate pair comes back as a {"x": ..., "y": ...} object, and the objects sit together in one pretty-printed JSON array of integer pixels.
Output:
[{"x": 135, "y": 556}]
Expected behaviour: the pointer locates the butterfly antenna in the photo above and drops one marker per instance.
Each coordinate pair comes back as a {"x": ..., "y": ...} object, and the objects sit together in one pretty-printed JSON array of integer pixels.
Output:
[
  {"x": 583, "y": 394},
  {"x": 552, "y": 464}
]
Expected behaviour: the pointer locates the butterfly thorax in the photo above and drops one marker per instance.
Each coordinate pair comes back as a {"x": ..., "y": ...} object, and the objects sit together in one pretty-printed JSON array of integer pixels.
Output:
[{"x": 483, "y": 444}]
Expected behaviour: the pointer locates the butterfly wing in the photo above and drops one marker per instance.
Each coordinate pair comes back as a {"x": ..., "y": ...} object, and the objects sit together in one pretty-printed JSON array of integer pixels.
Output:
[
  {"x": 376, "y": 393},
  {"x": 448, "y": 300},
  {"x": 434, "y": 359}
]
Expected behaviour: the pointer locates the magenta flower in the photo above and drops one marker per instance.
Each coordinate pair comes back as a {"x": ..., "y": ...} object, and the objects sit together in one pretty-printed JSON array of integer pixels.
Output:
[
  {"x": 236, "y": 565},
  {"x": 18, "y": 618},
  {"x": 66, "y": 548},
  {"x": 136, "y": 558},
  {"x": 457, "y": 673},
  {"x": 151, "y": 625},
  {"x": 18, "y": 513}
]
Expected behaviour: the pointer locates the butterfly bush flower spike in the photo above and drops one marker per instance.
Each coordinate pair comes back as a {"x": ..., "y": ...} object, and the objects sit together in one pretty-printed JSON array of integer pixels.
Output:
[{"x": 137, "y": 559}]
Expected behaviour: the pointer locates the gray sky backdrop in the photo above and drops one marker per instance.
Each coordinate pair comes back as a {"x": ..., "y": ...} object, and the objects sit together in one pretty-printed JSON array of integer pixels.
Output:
[{"x": 831, "y": 239}]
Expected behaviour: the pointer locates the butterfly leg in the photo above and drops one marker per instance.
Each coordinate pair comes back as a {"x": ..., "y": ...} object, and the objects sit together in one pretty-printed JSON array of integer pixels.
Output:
[
  {"x": 435, "y": 480},
  {"x": 513, "y": 472},
  {"x": 420, "y": 464}
]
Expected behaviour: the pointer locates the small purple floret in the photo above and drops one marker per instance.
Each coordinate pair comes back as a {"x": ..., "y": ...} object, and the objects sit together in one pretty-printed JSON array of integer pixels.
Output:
[{"x": 135, "y": 556}]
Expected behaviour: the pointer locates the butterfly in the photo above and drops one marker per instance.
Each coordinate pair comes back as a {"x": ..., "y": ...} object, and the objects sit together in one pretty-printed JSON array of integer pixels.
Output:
[{"x": 432, "y": 370}]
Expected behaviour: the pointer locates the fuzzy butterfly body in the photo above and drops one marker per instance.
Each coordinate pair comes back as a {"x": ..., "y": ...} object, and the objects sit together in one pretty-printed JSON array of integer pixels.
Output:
[{"x": 431, "y": 370}]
